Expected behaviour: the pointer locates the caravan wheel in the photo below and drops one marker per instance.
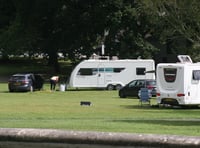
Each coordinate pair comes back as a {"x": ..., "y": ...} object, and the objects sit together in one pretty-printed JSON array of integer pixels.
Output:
[
  {"x": 118, "y": 86},
  {"x": 110, "y": 87}
]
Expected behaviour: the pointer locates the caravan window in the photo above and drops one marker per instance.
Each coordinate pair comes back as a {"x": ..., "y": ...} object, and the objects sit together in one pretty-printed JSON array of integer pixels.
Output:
[
  {"x": 101, "y": 70},
  {"x": 196, "y": 74},
  {"x": 94, "y": 71},
  {"x": 140, "y": 71},
  {"x": 109, "y": 70},
  {"x": 118, "y": 70},
  {"x": 170, "y": 74},
  {"x": 115, "y": 70},
  {"x": 87, "y": 71}
]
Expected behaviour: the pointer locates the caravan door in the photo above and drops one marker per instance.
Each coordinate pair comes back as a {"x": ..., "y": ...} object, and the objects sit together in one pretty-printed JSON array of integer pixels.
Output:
[{"x": 101, "y": 76}]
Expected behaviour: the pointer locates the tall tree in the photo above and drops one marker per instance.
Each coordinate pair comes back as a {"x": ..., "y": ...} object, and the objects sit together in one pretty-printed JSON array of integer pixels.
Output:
[
  {"x": 129, "y": 27},
  {"x": 7, "y": 17},
  {"x": 178, "y": 25},
  {"x": 78, "y": 27}
]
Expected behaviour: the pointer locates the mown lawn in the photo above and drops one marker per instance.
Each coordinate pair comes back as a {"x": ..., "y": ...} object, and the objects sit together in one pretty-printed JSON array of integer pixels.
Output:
[{"x": 109, "y": 113}]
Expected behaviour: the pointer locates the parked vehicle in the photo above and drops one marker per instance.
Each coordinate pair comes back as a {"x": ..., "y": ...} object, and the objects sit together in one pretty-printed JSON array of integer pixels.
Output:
[
  {"x": 132, "y": 88},
  {"x": 178, "y": 83},
  {"x": 25, "y": 82},
  {"x": 110, "y": 74}
]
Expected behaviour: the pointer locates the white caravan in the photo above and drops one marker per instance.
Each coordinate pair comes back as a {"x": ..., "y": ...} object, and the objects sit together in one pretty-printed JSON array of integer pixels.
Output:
[
  {"x": 178, "y": 83},
  {"x": 110, "y": 74}
]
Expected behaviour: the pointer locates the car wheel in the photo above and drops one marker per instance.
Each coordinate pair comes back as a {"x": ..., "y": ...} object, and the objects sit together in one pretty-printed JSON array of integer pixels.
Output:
[
  {"x": 110, "y": 87},
  {"x": 11, "y": 90},
  {"x": 122, "y": 95},
  {"x": 118, "y": 86}
]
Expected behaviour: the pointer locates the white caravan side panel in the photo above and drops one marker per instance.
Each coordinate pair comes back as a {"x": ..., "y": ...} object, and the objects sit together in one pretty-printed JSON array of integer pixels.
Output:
[
  {"x": 113, "y": 72},
  {"x": 129, "y": 73},
  {"x": 193, "y": 89},
  {"x": 87, "y": 79}
]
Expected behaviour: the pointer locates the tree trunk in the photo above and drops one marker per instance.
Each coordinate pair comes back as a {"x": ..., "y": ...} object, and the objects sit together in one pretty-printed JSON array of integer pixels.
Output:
[{"x": 53, "y": 60}]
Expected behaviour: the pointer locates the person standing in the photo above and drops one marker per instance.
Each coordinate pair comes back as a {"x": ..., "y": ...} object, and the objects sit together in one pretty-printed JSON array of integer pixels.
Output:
[{"x": 53, "y": 82}]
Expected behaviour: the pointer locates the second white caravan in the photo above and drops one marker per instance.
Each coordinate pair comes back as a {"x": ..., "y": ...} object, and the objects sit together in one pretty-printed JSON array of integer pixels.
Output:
[
  {"x": 178, "y": 83},
  {"x": 110, "y": 74}
]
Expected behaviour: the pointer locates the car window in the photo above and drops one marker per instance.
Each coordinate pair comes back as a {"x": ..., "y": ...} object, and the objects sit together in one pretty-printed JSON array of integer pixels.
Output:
[
  {"x": 14, "y": 78},
  {"x": 132, "y": 84},
  {"x": 30, "y": 78},
  {"x": 151, "y": 83},
  {"x": 140, "y": 83}
]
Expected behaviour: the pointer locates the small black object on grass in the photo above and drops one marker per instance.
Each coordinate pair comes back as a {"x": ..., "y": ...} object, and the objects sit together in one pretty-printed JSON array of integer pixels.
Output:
[{"x": 85, "y": 103}]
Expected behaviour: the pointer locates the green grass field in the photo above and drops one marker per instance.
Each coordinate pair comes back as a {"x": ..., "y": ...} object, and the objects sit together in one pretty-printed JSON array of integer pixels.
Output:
[{"x": 109, "y": 113}]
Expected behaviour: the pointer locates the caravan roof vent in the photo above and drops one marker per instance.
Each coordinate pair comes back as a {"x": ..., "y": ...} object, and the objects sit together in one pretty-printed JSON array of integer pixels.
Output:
[{"x": 185, "y": 59}]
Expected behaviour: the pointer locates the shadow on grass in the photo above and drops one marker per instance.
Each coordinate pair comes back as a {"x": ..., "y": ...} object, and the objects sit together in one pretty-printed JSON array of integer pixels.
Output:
[
  {"x": 88, "y": 89},
  {"x": 157, "y": 107},
  {"x": 18, "y": 91},
  {"x": 12, "y": 92},
  {"x": 167, "y": 122}
]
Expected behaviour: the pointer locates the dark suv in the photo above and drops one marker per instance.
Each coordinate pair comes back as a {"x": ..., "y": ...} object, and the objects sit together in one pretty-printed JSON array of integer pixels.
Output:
[
  {"x": 133, "y": 87},
  {"x": 25, "y": 82}
]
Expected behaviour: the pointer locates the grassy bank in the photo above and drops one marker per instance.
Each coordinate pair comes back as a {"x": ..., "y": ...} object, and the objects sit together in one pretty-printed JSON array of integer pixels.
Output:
[{"x": 62, "y": 110}]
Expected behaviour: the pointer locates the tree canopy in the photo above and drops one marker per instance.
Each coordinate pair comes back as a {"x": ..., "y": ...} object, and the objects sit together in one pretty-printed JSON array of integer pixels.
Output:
[{"x": 127, "y": 28}]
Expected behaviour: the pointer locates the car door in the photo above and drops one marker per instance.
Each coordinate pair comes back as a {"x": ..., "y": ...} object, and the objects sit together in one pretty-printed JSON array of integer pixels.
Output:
[
  {"x": 136, "y": 87},
  {"x": 132, "y": 88}
]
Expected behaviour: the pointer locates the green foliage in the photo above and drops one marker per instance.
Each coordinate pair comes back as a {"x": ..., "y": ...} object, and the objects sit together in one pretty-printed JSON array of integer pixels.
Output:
[
  {"x": 79, "y": 27},
  {"x": 74, "y": 27},
  {"x": 178, "y": 24}
]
